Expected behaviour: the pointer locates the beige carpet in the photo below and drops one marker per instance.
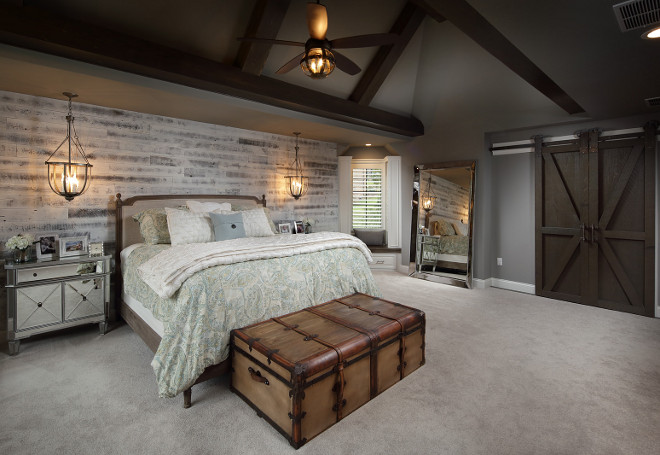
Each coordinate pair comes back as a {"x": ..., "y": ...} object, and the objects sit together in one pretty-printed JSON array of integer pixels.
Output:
[{"x": 506, "y": 373}]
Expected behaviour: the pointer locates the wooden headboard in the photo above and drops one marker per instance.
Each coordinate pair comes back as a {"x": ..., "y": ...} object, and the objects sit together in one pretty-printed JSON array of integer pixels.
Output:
[{"x": 128, "y": 230}]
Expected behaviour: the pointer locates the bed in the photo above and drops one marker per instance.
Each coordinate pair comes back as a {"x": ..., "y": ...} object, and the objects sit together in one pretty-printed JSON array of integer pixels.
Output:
[
  {"x": 185, "y": 318},
  {"x": 445, "y": 247}
]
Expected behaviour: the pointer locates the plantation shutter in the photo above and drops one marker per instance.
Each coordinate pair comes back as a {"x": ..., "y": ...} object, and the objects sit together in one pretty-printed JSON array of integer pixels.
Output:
[{"x": 368, "y": 198}]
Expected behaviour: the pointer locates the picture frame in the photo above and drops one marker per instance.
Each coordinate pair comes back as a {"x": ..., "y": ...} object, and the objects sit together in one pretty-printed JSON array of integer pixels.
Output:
[
  {"x": 47, "y": 247},
  {"x": 73, "y": 246},
  {"x": 300, "y": 227},
  {"x": 284, "y": 228}
]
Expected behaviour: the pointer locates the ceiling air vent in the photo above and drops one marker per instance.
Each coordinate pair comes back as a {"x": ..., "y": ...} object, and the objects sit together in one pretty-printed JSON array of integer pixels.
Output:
[
  {"x": 635, "y": 14},
  {"x": 653, "y": 102}
]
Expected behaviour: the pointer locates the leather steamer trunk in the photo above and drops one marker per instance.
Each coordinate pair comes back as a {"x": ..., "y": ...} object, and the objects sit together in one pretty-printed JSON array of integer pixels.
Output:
[{"x": 305, "y": 371}]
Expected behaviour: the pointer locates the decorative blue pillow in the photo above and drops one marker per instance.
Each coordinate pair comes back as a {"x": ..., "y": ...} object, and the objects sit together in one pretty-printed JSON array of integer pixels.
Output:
[{"x": 227, "y": 226}]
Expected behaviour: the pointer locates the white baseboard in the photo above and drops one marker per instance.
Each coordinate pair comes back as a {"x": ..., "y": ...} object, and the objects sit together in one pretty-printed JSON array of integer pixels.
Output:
[
  {"x": 514, "y": 286},
  {"x": 481, "y": 284}
]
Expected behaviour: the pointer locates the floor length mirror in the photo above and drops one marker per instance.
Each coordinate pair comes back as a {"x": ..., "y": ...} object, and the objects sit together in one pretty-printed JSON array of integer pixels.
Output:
[{"x": 441, "y": 230}]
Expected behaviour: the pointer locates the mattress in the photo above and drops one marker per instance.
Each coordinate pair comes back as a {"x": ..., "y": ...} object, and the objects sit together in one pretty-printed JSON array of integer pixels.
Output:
[{"x": 137, "y": 306}]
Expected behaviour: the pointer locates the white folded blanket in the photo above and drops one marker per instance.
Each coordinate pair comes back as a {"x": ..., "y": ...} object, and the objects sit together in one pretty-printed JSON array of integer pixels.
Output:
[{"x": 166, "y": 272}]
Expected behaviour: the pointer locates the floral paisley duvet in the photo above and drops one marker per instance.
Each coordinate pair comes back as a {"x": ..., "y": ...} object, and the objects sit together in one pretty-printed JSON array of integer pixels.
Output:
[{"x": 200, "y": 315}]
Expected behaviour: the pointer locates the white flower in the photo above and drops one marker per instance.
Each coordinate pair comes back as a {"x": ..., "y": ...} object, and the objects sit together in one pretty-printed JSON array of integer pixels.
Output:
[
  {"x": 309, "y": 222},
  {"x": 19, "y": 242}
]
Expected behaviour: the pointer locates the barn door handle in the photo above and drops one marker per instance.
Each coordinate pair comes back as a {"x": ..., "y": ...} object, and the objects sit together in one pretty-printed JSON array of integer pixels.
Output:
[
  {"x": 256, "y": 376},
  {"x": 593, "y": 230},
  {"x": 582, "y": 227}
]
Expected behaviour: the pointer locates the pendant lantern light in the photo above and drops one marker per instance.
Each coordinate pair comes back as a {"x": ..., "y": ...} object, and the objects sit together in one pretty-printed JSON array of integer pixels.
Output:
[
  {"x": 428, "y": 198},
  {"x": 297, "y": 184},
  {"x": 69, "y": 177}
]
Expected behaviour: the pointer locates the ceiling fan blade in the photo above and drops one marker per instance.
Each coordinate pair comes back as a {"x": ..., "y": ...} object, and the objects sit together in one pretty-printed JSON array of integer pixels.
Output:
[
  {"x": 271, "y": 41},
  {"x": 291, "y": 64},
  {"x": 345, "y": 64},
  {"x": 377, "y": 39},
  {"x": 317, "y": 20}
]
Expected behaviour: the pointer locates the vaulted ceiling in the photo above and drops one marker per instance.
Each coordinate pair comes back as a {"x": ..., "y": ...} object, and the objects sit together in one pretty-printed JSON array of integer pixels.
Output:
[{"x": 183, "y": 59}]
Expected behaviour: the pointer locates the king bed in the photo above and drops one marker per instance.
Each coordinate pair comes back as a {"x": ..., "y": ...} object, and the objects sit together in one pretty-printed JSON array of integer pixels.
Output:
[{"x": 184, "y": 295}]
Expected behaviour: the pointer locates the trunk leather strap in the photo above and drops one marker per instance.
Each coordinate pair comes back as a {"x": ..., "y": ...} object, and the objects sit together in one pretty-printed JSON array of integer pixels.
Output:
[
  {"x": 402, "y": 342},
  {"x": 340, "y": 362}
]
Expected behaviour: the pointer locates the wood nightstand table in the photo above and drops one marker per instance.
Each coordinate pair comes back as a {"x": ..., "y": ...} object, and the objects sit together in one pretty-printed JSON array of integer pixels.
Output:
[{"x": 48, "y": 295}]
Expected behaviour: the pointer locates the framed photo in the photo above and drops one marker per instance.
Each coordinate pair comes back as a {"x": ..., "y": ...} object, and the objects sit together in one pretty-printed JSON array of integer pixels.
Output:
[
  {"x": 284, "y": 228},
  {"x": 73, "y": 246},
  {"x": 300, "y": 227},
  {"x": 47, "y": 246}
]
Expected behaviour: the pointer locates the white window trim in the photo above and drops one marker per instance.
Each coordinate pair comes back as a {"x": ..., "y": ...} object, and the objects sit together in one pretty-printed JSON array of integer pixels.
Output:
[{"x": 392, "y": 196}]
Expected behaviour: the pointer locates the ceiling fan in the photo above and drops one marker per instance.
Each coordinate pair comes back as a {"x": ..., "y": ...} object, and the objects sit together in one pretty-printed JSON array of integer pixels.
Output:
[{"x": 320, "y": 56}]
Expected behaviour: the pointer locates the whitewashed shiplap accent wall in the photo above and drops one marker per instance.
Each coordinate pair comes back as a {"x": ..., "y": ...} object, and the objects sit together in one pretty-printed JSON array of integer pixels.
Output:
[
  {"x": 452, "y": 201},
  {"x": 135, "y": 153}
]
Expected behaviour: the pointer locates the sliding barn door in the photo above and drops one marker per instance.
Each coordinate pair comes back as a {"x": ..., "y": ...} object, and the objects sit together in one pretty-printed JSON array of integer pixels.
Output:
[
  {"x": 562, "y": 210},
  {"x": 595, "y": 221}
]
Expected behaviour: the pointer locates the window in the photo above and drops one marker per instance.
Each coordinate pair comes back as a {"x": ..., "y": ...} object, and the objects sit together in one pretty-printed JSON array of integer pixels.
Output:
[
  {"x": 368, "y": 198},
  {"x": 390, "y": 195}
]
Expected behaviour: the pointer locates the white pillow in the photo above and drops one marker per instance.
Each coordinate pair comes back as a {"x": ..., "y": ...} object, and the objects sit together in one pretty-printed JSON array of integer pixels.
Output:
[
  {"x": 205, "y": 207},
  {"x": 460, "y": 228},
  {"x": 188, "y": 227},
  {"x": 256, "y": 223}
]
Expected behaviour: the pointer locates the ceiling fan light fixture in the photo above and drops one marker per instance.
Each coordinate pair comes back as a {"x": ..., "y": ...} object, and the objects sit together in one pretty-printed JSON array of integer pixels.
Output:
[{"x": 318, "y": 62}]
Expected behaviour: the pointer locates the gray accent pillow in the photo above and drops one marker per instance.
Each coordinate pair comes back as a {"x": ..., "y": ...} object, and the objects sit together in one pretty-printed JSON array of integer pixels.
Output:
[
  {"x": 227, "y": 226},
  {"x": 371, "y": 237}
]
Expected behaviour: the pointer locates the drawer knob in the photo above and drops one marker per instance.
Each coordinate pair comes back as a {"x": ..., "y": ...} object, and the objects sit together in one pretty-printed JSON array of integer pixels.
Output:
[
  {"x": 40, "y": 304},
  {"x": 34, "y": 274}
]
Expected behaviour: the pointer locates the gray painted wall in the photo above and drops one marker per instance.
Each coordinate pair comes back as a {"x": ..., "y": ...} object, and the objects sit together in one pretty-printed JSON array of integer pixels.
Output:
[
  {"x": 512, "y": 200},
  {"x": 454, "y": 129}
]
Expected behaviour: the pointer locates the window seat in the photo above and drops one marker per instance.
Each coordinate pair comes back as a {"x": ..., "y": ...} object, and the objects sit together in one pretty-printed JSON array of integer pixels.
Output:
[
  {"x": 384, "y": 258},
  {"x": 383, "y": 249}
]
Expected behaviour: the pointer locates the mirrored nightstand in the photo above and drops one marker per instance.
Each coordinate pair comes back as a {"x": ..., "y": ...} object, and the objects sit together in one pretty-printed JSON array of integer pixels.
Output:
[{"x": 48, "y": 295}]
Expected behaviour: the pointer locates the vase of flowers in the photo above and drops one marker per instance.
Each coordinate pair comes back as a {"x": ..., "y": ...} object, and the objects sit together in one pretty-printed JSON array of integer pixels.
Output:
[{"x": 20, "y": 246}]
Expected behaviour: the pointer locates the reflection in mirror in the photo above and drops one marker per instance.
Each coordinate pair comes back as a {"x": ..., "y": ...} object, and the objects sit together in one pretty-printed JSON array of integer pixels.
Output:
[{"x": 441, "y": 230}]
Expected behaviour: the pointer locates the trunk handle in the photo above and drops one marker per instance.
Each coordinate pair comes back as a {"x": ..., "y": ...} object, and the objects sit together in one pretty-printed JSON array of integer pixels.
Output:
[{"x": 256, "y": 376}]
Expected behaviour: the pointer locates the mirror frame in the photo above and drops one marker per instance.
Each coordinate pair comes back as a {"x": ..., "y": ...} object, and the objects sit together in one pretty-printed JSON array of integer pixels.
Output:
[{"x": 439, "y": 276}]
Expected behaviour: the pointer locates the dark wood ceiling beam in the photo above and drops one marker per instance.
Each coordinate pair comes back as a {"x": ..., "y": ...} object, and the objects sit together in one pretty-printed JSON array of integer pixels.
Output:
[
  {"x": 386, "y": 57},
  {"x": 38, "y": 30},
  {"x": 265, "y": 22},
  {"x": 474, "y": 25}
]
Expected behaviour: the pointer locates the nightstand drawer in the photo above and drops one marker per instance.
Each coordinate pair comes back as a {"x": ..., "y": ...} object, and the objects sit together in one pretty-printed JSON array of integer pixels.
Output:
[
  {"x": 38, "y": 305},
  {"x": 84, "y": 298},
  {"x": 46, "y": 273}
]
